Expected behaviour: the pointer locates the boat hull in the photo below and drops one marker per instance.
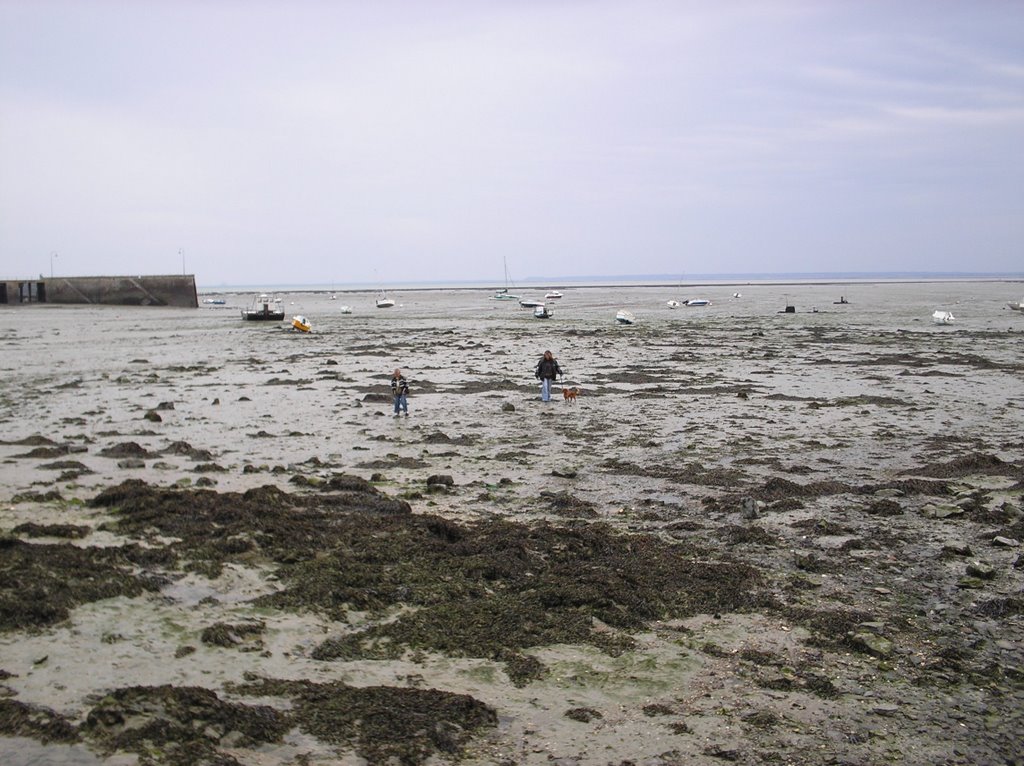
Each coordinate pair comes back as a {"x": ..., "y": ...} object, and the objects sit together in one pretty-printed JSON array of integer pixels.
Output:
[{"x": 260, "y": 315}]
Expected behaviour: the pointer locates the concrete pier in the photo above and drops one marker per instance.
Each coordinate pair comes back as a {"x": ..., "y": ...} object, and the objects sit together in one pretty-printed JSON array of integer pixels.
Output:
[{"x": 161, "y": 290}]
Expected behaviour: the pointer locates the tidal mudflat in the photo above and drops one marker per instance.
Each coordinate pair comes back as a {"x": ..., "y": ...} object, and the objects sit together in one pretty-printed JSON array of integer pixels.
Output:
[{"x": 756, "y": 537}]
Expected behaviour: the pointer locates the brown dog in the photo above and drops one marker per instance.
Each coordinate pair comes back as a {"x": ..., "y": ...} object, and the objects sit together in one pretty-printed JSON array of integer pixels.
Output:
[{"x": 570, "y": 394}]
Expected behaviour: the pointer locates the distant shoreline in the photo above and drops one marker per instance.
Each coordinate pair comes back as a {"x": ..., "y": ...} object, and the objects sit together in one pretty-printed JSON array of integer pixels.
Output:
[{"x": 591, "y": 284}]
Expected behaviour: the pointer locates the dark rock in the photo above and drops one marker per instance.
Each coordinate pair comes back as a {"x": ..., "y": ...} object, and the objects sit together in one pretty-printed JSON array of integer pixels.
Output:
[
  {"x": 129, "y": 450},
  {"x": 440, "y": 480},
  {"x": 957, "y": 548},
  {"x": 153, "y": 416},
  {"x": 583, "y": 714},
  {"x": 981, "y": 570}
]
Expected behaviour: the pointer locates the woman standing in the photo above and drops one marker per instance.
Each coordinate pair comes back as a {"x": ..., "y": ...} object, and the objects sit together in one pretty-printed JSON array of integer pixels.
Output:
[{"x": 547, "y": 371}]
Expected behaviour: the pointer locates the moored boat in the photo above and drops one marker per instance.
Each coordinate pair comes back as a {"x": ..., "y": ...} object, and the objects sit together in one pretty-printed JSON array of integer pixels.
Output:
[
  {"x": 553, "y": 295},
  {"x": 625, "y": 317},
  {"x": 264, "y": 309},
  {"x": 943, "y": 317},
  {"x": 504, "y": 294},
  {"x": 301, "y": 324},
  {"x": 698, "y": 302},
  {"x": 384, "y": 302},
  {"x": 542, "y": 312},
  {"x": 673, "y": 304},
  {"x": 529, "y": 303}
]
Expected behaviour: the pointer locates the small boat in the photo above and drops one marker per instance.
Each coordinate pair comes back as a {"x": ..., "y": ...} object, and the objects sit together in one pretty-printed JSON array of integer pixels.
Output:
[
  {"x": 264, "y": 309},
  {"x": 841, "y": 302},
  {"x": 698, "y": 302},
  {"x": 943, "y": 317},
  {"x": 346, "y": 309},
  {"x": 528, "y": 303},
  {"x": 504, "y": 294},
  {"x": 542, "y": 312},
  {"x": 673, "y": 304},
  {"x": 215, "y": 301},
  {"x": 737, "y": 295},
  {"x": 553, "y": 295},
  {"x": 300, "y": 323},
  {"x": 1016, "y": 305},
  {"x": 625, "y": 317},
  {"x": 384, "y": 302}
]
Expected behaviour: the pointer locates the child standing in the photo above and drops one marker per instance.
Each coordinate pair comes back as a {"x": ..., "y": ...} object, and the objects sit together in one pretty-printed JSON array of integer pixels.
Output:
[{"x": 400, "y": 392}]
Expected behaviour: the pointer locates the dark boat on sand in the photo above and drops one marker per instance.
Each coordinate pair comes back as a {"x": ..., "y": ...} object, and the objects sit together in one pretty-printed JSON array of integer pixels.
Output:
[{"x": 263, "y": 309}]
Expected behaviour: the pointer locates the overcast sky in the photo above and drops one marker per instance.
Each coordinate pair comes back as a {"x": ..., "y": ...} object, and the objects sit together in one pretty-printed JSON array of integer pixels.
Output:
[{"x": 385, "y": 141}]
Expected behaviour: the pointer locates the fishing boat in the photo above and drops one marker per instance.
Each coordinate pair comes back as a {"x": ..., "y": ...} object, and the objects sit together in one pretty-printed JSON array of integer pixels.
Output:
[
  {"x": 553, "y": 295},
  {"x": 504, "y": 294},
  {"x": 943, "y": 317},
  {"x": 625, "y": 317},
  {"x": 384, "y": 302},
  {"x": 542, "y": 312},
  {"x": 264, "y": 309},
  {"x": 301, "y": 324}
]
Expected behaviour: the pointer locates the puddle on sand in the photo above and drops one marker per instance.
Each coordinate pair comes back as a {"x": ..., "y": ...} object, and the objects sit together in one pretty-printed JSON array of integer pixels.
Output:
[
  {"x": 237, "y": 584},
  {"x": 22, "y": 751}
]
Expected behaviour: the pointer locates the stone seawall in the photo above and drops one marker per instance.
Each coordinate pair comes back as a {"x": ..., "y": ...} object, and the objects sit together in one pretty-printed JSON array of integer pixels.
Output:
[{"x": 165, "y": 290}]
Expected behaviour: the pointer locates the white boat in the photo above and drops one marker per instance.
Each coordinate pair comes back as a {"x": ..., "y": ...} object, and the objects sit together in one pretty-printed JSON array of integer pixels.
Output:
[
  {"x": 698, "y": 302},
  {"x": 673, "y": 304},
  {"x": 1016, "y": 305},
  {"x": 553, "y": 295},
  {"x": 300, "y": 323},
  {"x": 528, "y": 303},
  {"x": 737, "y": 295},
  {"x": 384, "y": 302},
  {"x": 542, "y": 312},
  {"x": 264, "y": 309},
  {"x": 504, "y": 294},
  {"x": 625, "y": 317},
  {"x": 943, "y": 317},
  {"x": 346, "y": 309},
  {"x": 215, "y": 301}
]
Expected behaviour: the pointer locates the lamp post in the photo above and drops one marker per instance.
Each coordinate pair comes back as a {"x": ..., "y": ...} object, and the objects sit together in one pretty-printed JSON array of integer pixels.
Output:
[{"x": 53, "y": 255}]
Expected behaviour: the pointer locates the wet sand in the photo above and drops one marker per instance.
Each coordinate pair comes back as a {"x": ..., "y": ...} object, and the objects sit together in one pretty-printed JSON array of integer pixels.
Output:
[{"x": 756, "y": 537}]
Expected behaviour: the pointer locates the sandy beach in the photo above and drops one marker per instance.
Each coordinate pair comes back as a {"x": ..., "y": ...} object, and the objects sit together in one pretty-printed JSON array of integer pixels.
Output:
[{"x": 756, "y": 537}]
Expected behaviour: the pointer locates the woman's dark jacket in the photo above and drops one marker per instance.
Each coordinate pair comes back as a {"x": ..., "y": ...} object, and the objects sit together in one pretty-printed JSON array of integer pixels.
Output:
[{"x": 549, "y": 369}]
